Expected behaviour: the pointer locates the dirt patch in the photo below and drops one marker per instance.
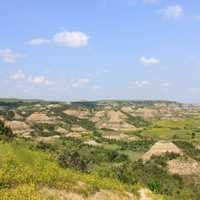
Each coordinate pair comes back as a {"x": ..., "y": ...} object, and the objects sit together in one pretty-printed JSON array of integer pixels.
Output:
[
  {"x": 101, "y": 195},
  {"x": 74, "y": 135},
  {"x": 76, "y": 128},
  {"x": 160, "y": 148},
  {"x": 145, "y": 194},
  {"x": 184, "y": 167},
  {"x": 93, "y": 143},
  {"x": 61, "y": 130},
  {"x": 53, "y": 106},
  {"x": 111, "y": 195},
  {"x": 198, "y": 147},
  {"x": 119, "y": 136},
  {"x": 48, "y": 193},
  {"x": 48, "y": 139}
]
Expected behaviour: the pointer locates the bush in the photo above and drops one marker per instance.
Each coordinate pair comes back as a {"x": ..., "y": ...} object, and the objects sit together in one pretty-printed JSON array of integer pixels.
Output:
[
  {"x": 83, "y": 157},
  {"x": 137, "y": 121},
  {"x": 189, "y": 149},
  {"x": 5, "y": 132},
  {"x": 8, "y": 114}
]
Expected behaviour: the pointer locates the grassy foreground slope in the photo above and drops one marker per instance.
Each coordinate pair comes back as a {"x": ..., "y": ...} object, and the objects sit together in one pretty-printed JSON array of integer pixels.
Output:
[
  {"x": 54, "y": 150},
  {"x": 30, "y": 174}
]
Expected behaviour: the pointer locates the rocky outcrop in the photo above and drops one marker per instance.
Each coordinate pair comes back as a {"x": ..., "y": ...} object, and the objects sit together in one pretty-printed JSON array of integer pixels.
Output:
[
  {"x": 19, "y": 128},
  {"x": 161, "y": 148},
  {"x": 115, "y": 120},
  {"x": 38, "y": 117}
]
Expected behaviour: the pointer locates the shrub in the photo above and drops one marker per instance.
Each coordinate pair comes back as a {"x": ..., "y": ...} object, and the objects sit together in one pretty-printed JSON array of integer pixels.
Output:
[
  {"x": 5, "y": 132},
  {"x": 85, "y": 157},
  {"x": 189, "y": 149}
]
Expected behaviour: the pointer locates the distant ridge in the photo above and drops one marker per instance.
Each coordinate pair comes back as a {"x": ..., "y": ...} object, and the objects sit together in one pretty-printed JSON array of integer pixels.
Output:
[{"x": 103, "y": 101}]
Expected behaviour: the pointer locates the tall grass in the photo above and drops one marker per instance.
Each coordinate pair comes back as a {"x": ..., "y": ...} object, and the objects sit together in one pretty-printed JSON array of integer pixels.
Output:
[{"x": 23, "y": 172}]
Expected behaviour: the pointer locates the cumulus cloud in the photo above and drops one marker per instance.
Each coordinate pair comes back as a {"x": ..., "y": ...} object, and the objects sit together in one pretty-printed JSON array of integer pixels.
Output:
[
  {"x": 172, "y": 12},
  {"x": 64, "y": 38},
  {"x": 39, "y": 41},
  {"x": 8, "y": 56},
  {"x": 19, "y": 75},
  {"x": 149, "y": 61},
  {"x": 39, "y": 80},
  {"x": 71, "y": 39}
]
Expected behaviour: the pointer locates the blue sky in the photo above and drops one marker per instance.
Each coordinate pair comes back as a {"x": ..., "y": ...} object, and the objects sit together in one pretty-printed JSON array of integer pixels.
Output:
[{"x": 100, "y": 49}]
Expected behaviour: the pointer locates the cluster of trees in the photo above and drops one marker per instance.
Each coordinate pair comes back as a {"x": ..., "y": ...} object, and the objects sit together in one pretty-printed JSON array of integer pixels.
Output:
[
  {"x": 154, "y": 175},
  {"x": 189, "y": 149},
  {"x": 138, "y": 145},
  {"x": 5, "y": 132},
  {"x": 44, "y": 129},
  {"x": 10, "y": 104},
  {"x": 137, "y": 121},
  {"x": 84, "y": 157},
  {"x": 7, "y": 114},
  {"x": 109, "y": 163}
]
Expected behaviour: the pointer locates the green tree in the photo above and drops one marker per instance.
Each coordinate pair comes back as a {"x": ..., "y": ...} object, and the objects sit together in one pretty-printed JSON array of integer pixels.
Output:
[{"x": 5, "y": 132}]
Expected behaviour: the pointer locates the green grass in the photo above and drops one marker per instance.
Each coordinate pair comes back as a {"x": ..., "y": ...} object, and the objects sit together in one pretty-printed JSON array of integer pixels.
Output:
[
  {"x": 23, "y": 172},
  {"x": 169, "y": 129}
]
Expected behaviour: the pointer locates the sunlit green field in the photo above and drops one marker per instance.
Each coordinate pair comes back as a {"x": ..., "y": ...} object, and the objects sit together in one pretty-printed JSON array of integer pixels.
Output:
[{"x": 187, "y": 129}]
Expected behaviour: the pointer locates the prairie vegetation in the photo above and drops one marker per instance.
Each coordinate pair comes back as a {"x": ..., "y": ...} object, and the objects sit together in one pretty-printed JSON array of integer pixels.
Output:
[{"x": 73, "y": 157}]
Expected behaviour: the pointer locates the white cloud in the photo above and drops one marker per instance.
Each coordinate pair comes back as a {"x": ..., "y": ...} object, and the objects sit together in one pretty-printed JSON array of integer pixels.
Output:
[
  {"x": 8, "y": 56},
  {"x": 39, "y": 80},
  {"x": 19, "y": 75},
  {"x": 65, "y": 38},
  {"x": 150, "y": 1},
  {"x": 80, "y": 83},
  {"x": 149, "y": 61},
  {"x": 141, "y": 83},
  {"x": 71, "y": 39},
  {"x": 172, "y": 12},
  {"x": 39, "y": 41}
]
